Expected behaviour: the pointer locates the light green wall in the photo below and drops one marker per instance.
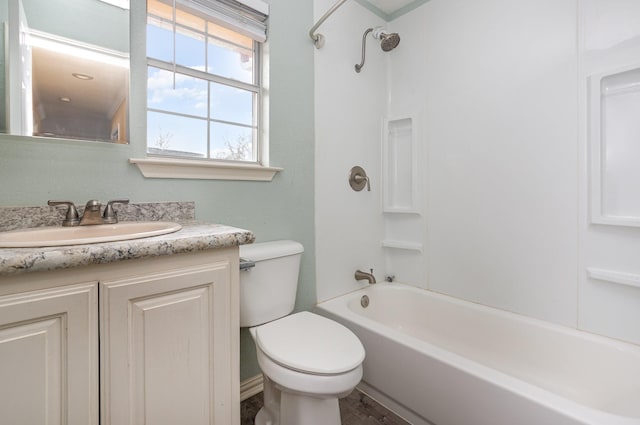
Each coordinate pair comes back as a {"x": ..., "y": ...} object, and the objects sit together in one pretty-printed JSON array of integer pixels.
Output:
[
  {"x": 3, "y": 115},
  {"x": 91, "y": 21},
  {"x": 33, "y": 171},
  {"x": 4, "y": 13}
]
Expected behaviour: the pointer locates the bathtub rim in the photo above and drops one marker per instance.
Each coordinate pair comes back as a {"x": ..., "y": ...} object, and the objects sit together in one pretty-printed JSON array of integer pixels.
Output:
[{"x": 338, "y": 307}]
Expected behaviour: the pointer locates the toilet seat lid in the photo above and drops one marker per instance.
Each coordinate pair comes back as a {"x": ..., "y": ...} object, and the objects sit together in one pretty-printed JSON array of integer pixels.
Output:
[{"x": 310, "y": 343}]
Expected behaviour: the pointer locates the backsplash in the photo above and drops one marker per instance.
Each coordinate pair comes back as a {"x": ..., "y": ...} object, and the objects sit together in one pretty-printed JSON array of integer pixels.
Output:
[{"x": 12, "y": 218}]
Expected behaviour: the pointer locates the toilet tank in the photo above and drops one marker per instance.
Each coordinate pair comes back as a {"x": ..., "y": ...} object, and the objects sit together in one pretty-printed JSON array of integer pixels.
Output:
[{"x": 268, "y": 290}]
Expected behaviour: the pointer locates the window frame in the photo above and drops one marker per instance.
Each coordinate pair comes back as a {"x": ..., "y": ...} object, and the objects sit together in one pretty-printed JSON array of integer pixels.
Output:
[{"x": 257, "y": 169}]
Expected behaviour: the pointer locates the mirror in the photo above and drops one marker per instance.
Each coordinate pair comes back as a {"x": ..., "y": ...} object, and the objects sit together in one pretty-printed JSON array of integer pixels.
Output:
[{"x": 64, "y": 69}]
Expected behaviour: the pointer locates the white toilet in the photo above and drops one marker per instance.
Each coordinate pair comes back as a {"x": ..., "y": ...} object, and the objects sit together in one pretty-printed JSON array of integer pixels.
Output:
[{"x": 308, "y": 361}]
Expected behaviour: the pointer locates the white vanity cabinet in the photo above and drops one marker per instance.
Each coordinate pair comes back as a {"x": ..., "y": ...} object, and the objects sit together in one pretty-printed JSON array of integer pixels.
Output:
[
  {"x": 48, "y": 356},
  {"x": 169, "y": 346},
  {"x": 168, "y": 335}
]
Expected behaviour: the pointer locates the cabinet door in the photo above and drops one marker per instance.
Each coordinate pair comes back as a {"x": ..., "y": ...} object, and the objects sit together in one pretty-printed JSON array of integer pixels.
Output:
[
  {"x": 167, "y": 344},
  {"x": 49, "y": 356}
]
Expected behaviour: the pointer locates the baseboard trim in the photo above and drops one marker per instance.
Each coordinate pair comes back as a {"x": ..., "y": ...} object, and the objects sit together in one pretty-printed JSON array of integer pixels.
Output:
[{"x": 251, "y": 387}]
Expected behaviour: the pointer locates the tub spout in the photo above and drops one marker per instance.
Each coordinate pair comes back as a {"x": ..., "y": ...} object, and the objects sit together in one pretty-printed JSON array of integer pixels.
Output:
[{"x": 360, "y": 275}]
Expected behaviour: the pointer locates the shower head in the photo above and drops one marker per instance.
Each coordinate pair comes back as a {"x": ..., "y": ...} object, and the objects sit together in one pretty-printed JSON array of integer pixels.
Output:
[{"x": 387, "y": 42}]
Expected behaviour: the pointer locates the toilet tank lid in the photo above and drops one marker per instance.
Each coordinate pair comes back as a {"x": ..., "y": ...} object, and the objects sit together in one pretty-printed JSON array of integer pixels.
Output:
[{"x": 268, "y": 250}]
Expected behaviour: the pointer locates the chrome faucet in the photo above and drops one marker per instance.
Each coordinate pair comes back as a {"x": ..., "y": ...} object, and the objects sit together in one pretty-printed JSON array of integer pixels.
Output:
[
  {"x": 91, "y": 214},
  {"x": 360, "y": 275}
]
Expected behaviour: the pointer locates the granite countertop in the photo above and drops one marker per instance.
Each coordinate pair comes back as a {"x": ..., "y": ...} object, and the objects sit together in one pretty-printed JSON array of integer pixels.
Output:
[{"x": 193, "y": 237}]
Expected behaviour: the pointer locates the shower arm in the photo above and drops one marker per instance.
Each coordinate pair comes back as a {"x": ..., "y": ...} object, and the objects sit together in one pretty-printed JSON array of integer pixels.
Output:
[
  {"x": 364, "y": 45},
  {"x": 318, "y": 39}
]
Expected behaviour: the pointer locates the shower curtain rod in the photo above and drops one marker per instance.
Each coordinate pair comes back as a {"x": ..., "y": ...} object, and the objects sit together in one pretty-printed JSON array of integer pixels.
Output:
[{"x": 318, "y": 39}]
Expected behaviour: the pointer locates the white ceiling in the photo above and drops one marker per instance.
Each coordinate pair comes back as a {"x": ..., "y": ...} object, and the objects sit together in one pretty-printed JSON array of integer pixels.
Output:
[
  {"x": 390, "y": 6},
  {"x": 53, "y": 79},
  {"x": 391, "y": 9}
]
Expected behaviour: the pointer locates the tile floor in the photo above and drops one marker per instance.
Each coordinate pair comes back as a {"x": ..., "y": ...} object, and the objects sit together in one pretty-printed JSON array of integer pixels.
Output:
[{"x": 355, "y": 409}]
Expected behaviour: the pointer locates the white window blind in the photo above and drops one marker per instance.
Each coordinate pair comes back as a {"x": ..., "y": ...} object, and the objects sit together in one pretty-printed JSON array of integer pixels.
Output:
[{"x": 248, "y": 17}]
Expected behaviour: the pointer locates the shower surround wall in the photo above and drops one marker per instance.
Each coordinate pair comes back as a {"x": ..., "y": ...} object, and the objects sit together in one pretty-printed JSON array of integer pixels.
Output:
[
  {"x": 609, "y": 41},
  {"x": 498, "y": 95},
  {"x": 498, "y": 86},
  {"x": 349, "y": 108}
]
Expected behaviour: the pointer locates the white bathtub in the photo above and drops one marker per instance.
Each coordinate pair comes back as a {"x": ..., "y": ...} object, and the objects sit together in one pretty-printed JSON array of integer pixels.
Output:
[{"x": 439, "y": 360}]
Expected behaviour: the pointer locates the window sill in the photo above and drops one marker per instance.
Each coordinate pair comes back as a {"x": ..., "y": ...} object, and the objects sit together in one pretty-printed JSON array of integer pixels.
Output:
[{"x": 170, "y": 168}]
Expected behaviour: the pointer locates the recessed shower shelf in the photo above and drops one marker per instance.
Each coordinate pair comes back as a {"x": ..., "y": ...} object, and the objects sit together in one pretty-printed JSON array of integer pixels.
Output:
[
  {"x": 614, "y": 148},
  {"x": 621, "y": 278},
  {"x": 400, "y": 176},
  {"x": 411, "y": 246},
  {"x": 391, "y": 211}
]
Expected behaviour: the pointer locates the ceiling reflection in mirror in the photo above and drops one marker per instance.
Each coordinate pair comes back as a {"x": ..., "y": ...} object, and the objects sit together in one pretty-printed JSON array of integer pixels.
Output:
[{"x": 64, "y": 69}]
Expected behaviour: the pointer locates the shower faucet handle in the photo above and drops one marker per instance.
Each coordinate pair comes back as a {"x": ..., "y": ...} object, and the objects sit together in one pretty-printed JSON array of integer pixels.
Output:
[{"x": 358, "y": 179}]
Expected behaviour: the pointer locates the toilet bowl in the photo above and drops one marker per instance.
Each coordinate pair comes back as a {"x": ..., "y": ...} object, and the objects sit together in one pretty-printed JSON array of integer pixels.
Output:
[{"x": 308, "y": 361}]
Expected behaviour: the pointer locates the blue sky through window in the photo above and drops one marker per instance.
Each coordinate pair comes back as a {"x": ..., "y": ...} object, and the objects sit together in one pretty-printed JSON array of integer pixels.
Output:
[
  {"x": 189, "y": 96},
  {"x": 199, "y": 103},
  {"x": 176, "y": 133}
]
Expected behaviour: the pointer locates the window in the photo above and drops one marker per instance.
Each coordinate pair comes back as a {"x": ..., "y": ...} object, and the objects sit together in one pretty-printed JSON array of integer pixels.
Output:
[{"x": 204, "y": 79}]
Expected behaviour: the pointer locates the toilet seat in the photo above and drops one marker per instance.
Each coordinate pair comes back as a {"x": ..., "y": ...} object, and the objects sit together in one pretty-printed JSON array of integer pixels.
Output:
[
  {"x": 311, "y": 344},
  {"x": 317, "y": 386}
]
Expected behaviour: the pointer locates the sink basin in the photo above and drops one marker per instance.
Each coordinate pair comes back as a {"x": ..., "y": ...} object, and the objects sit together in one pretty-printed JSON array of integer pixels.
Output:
[{"x": 77, "y": 235}]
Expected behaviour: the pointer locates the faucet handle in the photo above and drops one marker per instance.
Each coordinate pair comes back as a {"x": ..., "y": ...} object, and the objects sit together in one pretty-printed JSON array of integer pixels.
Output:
[
  {"x": 359, "y": 179},
  {"x": 110, "y": 216},
  {"x": 72, "y": 217}
]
